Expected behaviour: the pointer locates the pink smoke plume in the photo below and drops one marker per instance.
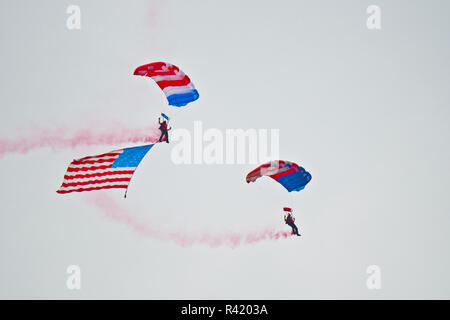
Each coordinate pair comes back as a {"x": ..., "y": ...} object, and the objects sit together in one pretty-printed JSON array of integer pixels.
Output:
[
  {"x": 113, "y": 210},
  {"x": 64, "y": 138}
]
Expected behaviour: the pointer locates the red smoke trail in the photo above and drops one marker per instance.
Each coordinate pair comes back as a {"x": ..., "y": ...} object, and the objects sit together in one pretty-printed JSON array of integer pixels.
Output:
[
  {"x": 63, "y": 138},
  {"x": 233, "y": 239}
]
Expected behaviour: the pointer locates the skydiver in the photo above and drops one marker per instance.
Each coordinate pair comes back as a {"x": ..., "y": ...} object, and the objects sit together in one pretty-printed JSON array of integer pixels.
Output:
[
  {"x": 164, "y": 130},
  {"x": 289, "y": 220}
]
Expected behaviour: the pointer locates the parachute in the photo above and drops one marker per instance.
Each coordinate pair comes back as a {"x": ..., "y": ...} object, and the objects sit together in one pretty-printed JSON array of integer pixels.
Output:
[
  {"x": 175, "y": 84},
  {"x": 289, "y": 174}
]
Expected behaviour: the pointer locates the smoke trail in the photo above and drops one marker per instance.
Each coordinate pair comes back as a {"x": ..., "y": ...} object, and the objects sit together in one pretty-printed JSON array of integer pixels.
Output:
[
  {"x": 63, "y": 138},
  {"x": 111, "y": 209}
]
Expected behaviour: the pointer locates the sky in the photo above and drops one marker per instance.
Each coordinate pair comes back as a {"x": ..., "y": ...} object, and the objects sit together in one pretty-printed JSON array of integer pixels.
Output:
[{"x": 364, "y": 111}]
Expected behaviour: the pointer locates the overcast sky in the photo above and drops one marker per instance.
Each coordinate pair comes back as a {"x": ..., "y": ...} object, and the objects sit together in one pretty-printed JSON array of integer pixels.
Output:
[{"x": 366, "y": 112}]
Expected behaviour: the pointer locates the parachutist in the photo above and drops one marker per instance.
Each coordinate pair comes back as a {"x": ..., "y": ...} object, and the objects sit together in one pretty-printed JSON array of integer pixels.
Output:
[
  {"x": 289, "y": 220},
  {"x": 164, "y": 130},
  {"x": 290, "y": 175}
]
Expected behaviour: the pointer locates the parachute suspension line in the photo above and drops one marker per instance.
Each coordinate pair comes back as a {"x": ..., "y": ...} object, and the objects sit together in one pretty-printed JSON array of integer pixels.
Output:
[{"x": 291, "y": 200}]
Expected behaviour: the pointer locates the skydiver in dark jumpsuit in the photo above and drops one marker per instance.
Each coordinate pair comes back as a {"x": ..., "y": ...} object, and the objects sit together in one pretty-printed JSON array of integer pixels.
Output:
[
  {"x": 289, "y": 220},
  {"x": 164, "y": 130}
]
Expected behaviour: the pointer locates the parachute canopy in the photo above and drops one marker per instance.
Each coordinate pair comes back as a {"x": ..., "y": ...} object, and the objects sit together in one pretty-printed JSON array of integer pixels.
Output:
[
  {"x": 176, "y": 85},
  {"x": 289, "y": 174}
]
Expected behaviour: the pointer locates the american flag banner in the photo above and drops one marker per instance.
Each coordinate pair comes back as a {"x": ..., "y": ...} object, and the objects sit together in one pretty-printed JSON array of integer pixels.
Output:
[{"x": 105, "y": 171}]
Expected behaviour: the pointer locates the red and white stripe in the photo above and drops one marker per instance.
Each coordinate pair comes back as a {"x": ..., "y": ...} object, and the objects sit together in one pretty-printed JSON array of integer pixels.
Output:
[
  {"x": 94, "y": 173},
  {"x": 168, "y": 77}
]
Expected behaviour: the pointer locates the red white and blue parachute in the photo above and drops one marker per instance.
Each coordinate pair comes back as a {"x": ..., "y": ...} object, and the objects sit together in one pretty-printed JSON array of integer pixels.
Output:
[
  {"x": 289, "y": 174},
  {"x": 175, "y": 84}
]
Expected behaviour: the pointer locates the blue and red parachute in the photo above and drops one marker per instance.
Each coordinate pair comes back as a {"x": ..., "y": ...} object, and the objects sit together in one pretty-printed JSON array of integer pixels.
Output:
[{"x": 289, "y": 174}]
